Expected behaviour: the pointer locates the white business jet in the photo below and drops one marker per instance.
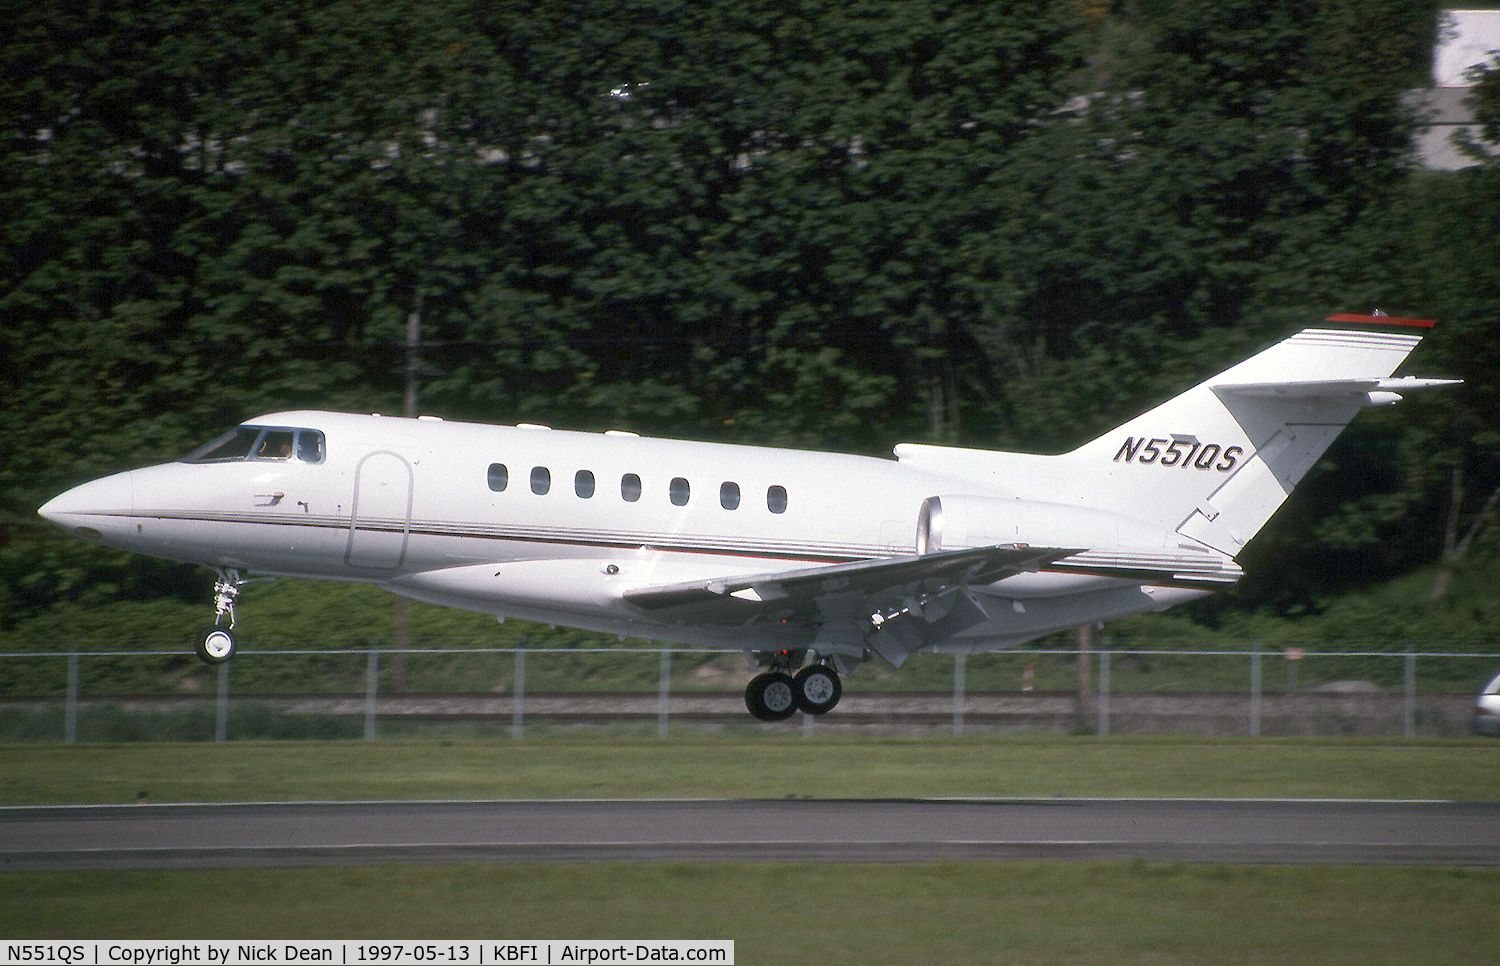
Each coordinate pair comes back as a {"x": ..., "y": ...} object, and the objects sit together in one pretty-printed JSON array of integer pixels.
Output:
[{"x": 810, "y": 561}]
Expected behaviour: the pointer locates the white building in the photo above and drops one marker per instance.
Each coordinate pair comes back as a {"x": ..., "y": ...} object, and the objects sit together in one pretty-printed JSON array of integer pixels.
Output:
[{"x": 1466, "y": 39}]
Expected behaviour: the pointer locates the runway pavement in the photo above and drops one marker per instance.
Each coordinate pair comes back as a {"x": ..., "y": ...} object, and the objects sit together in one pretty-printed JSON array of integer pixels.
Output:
[{"x": 300, "y": 834}]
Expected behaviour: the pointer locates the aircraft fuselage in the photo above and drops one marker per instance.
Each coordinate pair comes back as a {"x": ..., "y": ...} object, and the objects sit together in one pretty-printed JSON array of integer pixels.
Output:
[{"x": 529, "y": 522}]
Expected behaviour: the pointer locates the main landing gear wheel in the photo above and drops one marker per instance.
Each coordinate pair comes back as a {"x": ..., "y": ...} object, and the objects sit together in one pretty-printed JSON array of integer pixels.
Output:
[
  {"x": 817, "y": 689},
  {"x": 771, "y": 697}
]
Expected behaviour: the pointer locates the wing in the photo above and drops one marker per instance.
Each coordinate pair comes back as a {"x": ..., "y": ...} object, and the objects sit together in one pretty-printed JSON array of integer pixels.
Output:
[{"x": 866, "y": 586}]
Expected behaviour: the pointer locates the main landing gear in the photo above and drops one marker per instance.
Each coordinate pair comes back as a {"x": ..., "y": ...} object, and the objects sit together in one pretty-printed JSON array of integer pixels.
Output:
[
  {"x": 777, "y": 694},
  {"x": 216, "y": 644}
]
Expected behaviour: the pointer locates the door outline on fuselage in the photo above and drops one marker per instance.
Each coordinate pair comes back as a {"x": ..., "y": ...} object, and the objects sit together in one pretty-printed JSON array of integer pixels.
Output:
[{"x": 383, "y": 484}]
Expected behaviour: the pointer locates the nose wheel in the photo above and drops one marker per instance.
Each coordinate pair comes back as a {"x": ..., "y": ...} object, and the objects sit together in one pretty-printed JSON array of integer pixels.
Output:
[{"x": 216, "y": 645}]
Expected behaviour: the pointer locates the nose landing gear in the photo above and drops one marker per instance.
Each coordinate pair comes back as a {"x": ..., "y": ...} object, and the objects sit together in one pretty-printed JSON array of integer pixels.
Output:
[{"x": 216, "y": 644}]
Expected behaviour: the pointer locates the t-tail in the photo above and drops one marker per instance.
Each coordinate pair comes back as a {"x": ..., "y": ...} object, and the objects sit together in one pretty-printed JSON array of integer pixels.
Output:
[{"x": 1214, "y": 463}]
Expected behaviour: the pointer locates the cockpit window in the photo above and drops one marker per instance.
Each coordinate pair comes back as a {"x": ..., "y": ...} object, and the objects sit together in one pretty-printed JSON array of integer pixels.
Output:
[
  {"x": 233, "y": 445},
  {"x": 275, "y": 444},
  {"x": 261, "y": 443},
  {"x": 310, "y": 446}
]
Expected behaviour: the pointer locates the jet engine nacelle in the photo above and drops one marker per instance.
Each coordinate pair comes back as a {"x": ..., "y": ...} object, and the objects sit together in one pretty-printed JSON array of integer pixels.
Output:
[{"x": 954, "y": 522}]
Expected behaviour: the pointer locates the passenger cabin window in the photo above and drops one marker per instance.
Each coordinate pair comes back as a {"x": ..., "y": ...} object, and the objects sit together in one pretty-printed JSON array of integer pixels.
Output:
[
  {"x": 585, "y": 485},
  {"x": 272, "y": 443}
]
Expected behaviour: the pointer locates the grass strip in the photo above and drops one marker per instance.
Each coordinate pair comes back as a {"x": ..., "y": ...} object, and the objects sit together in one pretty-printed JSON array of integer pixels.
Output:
[
  {"x": 953, "y": 913},
  {"x": 760, "y": 767}
]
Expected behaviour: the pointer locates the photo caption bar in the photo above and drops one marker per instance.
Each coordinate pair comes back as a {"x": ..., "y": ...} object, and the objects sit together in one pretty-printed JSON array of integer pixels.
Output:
[{"x": 488, "y": 952}]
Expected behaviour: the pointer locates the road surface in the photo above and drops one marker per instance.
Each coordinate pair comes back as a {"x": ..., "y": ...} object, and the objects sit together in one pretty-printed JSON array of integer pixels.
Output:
[{"x": 798, "y": 830}]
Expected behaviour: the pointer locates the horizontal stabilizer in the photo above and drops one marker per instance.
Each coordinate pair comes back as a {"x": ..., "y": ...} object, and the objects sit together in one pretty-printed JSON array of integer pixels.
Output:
[{"x": 1355, "y": 389}]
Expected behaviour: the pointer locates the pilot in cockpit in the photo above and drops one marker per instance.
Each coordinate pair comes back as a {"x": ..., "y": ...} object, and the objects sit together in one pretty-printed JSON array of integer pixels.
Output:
[{"x": 275, "y": 446}]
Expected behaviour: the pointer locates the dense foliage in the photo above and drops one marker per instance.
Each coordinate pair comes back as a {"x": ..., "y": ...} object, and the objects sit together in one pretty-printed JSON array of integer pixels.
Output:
[{"x": 833, "y": 224}]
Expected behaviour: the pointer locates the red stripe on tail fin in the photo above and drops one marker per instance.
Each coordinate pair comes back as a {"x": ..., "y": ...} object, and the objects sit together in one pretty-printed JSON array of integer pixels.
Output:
[{"x": 1381, "y": 320}]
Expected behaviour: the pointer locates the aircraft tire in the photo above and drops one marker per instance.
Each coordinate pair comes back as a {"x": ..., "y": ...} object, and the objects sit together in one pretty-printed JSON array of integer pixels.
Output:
[
  {"x": 817, "y": 688},
  {"x": 771, "y": 696},
  {"x": 216, "y": 645}
]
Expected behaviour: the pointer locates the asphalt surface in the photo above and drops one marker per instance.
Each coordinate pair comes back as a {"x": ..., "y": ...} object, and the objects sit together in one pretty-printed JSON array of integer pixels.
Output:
[{"x": 350, "y": 833}]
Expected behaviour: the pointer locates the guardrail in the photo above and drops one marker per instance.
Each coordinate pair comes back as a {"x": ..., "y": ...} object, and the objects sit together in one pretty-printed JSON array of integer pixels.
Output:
[{"x": 1098, "y": 706}]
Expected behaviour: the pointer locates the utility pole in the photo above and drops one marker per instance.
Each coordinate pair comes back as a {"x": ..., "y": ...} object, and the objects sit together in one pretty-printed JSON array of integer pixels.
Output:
[
  {"x": 410, "y": 408},
  {"x": 413, "y": 358}
]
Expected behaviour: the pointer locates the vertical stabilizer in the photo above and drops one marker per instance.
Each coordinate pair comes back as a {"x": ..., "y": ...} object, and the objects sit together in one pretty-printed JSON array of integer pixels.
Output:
[{"x": 1215, "y": 462}]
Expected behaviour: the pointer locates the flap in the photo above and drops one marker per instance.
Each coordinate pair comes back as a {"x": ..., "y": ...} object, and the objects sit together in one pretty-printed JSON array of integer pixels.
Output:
[{"x": 734, "y": 600}]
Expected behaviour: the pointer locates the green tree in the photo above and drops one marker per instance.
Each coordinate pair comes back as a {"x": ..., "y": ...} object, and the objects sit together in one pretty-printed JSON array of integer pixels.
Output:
[
  {"x": 820, "y": 224},
  {"x": 218, "y": 212},
  {"x": 752, "y": 218}
]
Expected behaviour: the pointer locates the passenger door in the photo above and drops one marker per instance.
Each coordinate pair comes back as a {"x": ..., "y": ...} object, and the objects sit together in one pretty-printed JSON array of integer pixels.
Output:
[{"x": 380, "y": 519}]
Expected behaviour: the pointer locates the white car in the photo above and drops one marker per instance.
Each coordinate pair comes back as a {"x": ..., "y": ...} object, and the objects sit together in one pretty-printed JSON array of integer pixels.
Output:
[{"x": 1487, "y": 709}]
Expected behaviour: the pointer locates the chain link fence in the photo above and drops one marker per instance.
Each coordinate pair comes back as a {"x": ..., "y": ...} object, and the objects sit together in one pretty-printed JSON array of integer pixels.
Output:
[{"x": 387, "y": 693}]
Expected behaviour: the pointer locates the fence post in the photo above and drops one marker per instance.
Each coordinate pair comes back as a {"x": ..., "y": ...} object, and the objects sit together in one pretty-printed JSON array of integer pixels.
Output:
[
  {"x": 1082, "y": 694},
  {"x": 1103, "y": 691},
  {"x": 70, "y": 710},
  {"x": 664, "y": 692},
  {"x": 372, "y": 691},
  {"x": 1255, "y": 690},
  {"x": 1409, "y": 702},
  {"x": 518, "y": 698},
  {"x": 958, "y": 694},
  {"x": 221, "y": 716}
]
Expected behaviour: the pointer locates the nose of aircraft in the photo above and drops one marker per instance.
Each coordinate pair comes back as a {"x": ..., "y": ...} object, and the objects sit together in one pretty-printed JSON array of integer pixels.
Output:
[{"x": 93, "y": 509}]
